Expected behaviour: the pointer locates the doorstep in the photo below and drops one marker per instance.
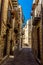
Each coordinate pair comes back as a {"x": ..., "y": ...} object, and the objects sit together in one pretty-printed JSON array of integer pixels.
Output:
[
  {"x": 3, "y": 59},
  {"x": 11, "y": 56}
]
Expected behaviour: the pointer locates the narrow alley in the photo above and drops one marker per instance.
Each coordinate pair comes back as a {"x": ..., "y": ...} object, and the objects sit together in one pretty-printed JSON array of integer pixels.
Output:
[
  {"x": 25, "y": 57},
  {"x": 21, "y": 32}
]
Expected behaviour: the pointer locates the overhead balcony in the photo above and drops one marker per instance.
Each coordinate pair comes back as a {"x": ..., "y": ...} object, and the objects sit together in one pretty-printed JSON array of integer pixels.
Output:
[
  {"x": 34, "y": 6},
  {"x": 36, "y": 20},
  {"x": 14, "y": 13},
  {"x": 9, "y": 25},
  {"x": 15, "y": 30},
  {"x": 23, "y": 32},
  {"x": 16, "y": 27},
  {"x": 36, "y": 14}
]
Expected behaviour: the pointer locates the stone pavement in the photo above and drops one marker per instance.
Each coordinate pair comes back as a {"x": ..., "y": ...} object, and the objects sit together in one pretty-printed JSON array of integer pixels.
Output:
[{"x": 24, "y": 58}]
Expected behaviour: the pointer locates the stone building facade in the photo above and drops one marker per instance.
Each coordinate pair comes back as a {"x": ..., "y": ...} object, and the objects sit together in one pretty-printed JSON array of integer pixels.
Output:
[
  {"x": 37, "y": 34},
  {"x": 5, "y": 28},
  {"x": 29, "y": 33},
  {"x": 27, "y": 38},
  {"x": 20, "y": 26},
  {"x": 9, "y": 28},
  {"x": 25, "y": 35}
]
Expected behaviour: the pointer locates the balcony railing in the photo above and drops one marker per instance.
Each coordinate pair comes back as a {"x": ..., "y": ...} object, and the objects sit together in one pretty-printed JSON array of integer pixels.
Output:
[
  {"x": 36, "y": 20},
  {"x": 37, "y": 14}
]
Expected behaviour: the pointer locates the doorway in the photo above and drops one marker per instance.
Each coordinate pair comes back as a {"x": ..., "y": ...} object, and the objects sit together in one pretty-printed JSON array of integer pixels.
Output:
[
  {"x": 38, "y": 40},
  {"x": 5, "y": 46},
  {"x": 11, "y": 52},
  {"x": 5, "y": 43}
]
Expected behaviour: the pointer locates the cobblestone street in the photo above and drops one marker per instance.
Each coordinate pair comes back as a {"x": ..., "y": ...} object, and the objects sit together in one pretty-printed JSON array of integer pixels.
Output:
[{"x": 24, "y": 58}]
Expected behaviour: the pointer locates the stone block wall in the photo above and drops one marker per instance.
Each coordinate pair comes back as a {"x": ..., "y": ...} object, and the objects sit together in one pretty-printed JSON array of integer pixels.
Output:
[{"x": 35, "y": 42}]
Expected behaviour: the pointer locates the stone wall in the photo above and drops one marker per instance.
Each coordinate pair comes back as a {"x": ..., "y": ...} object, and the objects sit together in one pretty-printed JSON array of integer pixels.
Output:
[
  {"x": 35, "y": 42},
  {"x": 5, "y": 36}
]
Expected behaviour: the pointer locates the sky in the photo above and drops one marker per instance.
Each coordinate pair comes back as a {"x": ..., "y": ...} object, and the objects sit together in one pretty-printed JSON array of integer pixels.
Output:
[{"x": 26, "y": 8}]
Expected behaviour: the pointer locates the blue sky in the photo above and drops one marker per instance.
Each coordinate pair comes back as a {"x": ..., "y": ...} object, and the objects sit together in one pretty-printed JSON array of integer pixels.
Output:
[{"x": 26, "y": 8}]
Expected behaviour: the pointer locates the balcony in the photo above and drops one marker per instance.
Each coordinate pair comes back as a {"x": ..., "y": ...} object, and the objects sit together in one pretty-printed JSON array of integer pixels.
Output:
[
  {"x": 37, "y": 14},
  {"x": 15, "y": 30},
  {"x": 9, "y": 26},
  {"x": 23, "y": 32},
  {"x": 36, "y": 20},
  {"x": 14, "y": 13},
  {"x": 34, "y": 6}
]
